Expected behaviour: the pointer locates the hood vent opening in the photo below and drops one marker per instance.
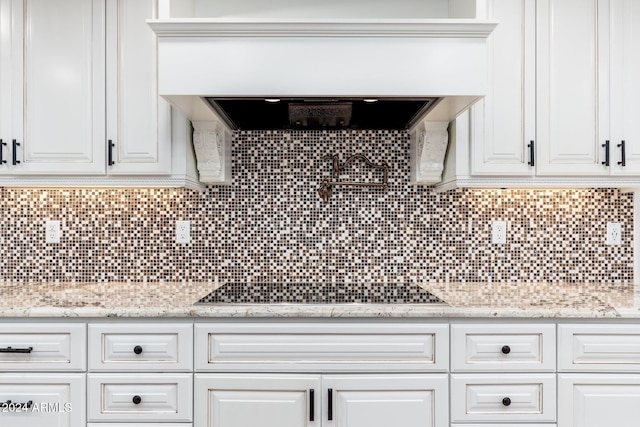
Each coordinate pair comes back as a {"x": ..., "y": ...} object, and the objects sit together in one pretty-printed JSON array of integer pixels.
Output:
[{"x": 321, "y": 113}]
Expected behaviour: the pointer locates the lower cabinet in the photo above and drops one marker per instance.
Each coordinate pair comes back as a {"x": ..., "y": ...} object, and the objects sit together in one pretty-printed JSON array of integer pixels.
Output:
[
  {"x": 596, "y": 400},
  {"x": 291, "y": 400},
  {"x": 38, "y": 400},
  {"x": 140, "y": 397}
]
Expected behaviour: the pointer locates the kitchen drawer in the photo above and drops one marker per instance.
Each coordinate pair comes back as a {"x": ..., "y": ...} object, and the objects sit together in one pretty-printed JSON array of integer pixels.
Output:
[
  {"x": 57, "y": 400},
  {"x": 504, "y": 425},
  {"x": 42, "y": 347},
  {"x": 139, "y": 397},
  {"x": 148, "y": 425},
  {"x": 591, "y": 348},
  {"x": 503, "y": 398},
  {"x": 503, "y": 348},
  {"x": 141, "y": 347},
  {"x": 330, "y": 348}
]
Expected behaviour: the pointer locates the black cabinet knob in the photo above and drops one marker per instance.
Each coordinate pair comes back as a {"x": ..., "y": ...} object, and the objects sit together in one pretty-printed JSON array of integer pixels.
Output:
[
  {"x": 137, "y": 349},
  {"x": 138, "y": 399},
  {"x": 506, "y": 349},
  {"x": 506, "y": 401}
]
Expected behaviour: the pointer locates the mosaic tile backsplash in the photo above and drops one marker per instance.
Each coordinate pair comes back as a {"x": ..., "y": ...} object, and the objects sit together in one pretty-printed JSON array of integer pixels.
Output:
[{"x": 270, "y": 224}]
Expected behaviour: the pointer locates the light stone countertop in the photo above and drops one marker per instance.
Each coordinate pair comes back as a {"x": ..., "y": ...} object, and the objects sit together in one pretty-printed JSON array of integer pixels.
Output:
[{"x": 176, "y": 299}]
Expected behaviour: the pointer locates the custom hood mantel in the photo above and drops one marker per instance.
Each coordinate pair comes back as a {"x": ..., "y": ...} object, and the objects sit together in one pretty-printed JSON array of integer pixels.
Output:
[{"x": 441, "y": 61}]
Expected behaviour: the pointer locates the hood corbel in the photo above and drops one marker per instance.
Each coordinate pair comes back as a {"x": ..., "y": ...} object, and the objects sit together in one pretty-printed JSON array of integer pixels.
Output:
[
  {"x": 212, "y": 144},
  {"x": 429, "y": 140}
]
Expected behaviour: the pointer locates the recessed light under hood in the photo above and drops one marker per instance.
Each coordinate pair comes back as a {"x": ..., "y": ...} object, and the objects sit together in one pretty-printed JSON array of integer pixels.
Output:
[{"x": 320, "y": 113}]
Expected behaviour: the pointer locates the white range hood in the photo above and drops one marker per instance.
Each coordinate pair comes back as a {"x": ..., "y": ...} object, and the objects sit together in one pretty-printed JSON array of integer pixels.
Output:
[{"x": 310, "y": 58}]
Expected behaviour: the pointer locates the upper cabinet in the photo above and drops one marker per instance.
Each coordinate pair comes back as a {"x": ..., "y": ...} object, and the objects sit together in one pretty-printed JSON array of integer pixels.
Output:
[
  {"x": 572, "y": 73},
  {"x": 624, "y": 98},
  {"x": 504, "y": 120},
  {"x": 53, "y": 96},
  {"x": 79, "y": 102},
  {"x": 138, "y": 121},
  {"x": 563, "y": 98}
]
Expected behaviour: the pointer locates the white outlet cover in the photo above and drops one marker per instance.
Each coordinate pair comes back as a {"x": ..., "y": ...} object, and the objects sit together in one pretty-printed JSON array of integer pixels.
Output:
[
  {"x": 52, "y": 232},
  {"x": 614, "y": 233},
  {"x": 183, "y": 231},
  {"x": 499, "y": 232}
]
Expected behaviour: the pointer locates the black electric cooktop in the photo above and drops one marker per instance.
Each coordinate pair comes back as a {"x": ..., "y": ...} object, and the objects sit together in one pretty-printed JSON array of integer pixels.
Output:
[{"x": 320, "y": 293}]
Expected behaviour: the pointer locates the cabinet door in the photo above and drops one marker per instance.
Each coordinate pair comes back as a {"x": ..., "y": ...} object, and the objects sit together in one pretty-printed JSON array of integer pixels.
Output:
[
  {"x": 572, "y": 82},
  {"x": 57, "y": 86},
  {"x": 138, "y": 121},
  {"x": 625, "y": 86},
  {"x": 385, "y": 400},
  {"x": 56, "y": 400},
  {"x": 231, "y": 400},
  {"x": 503, "y": 123},
  {"x": 598, "y": 400},
  {"x": 5, "y": 85}
]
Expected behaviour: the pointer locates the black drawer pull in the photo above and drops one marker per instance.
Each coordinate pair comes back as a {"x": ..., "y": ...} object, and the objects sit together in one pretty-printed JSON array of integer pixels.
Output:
[
  {"x": 16, "y": 350},
  {"x": 136, "y": 400},
  {"x": 532, "y": 153},
  {"x": 606, "y": 153},
  {"x": 312, "y": 405},
  {"x": 330, "y": 404},
  {"x": 623, "y": 154},
  {"x": 15, "y": 160},
  {"x": 137, "y": 349},
  {"x": 506, "y": 401},
  {"x": 9, "y": 404},
  {"x": 505, "y": 349},
  {"x": 110, "y": 161},
  {"x": 2, "y": 144}
]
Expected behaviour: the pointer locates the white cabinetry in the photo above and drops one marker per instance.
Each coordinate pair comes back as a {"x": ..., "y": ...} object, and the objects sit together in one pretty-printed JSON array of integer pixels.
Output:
[
  {"x": 359, "y": 400},
  {"x": 503, "y": 122},
  {"x": 368, "y": 396},
  {"x": 138, "y": 120},
  {"x": 53, "y": 91},
  {"x": 481, "y": 391},
  {"x": 563, "y": 77},
  {"x": 79, "y": 104},
  {"x": 604, "y": 392},
  {"x": 140, "y": 372},
  {"x": 39, "y": 399}
]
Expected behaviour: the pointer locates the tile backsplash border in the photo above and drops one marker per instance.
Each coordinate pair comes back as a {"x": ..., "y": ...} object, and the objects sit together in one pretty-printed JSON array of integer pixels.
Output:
[{"x": 271, "y": 225}]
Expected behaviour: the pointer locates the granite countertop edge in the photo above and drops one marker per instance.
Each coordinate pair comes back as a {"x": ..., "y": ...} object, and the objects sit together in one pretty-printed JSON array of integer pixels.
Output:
[{"x": 177, "y": 300}]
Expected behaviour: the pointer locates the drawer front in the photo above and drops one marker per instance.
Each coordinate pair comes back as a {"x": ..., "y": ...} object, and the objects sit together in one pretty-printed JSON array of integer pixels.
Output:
[
  {"x": 504, "y": 425},
  {"x": 141, "y": 347},
  {"x": 332, "y": 348},
  {"x": 56, "y": 400},
  {"x": 140, "y": 397},
  {"x": 503, "y": 348},
  {"x": 599, "y": 348},
  {"x": 42, "y": 347},
  {"x": 149, "y": 425},
  {"x": 503, "y": 398}
]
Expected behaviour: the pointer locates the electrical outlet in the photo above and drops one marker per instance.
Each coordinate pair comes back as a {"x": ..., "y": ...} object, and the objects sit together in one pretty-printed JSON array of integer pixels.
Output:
[
  {"x": 183, "y": 231},
  {"x": 499, "y": 232},
  {"x": 52, "y": 232},
  {"x": 614, "y": 233}
]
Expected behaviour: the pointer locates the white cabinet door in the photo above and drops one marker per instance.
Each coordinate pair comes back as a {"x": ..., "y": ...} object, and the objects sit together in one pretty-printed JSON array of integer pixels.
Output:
[
  {"x": 57, "y": 91},
  {"x": 596, "y": 400},
  {"x": 232, "y": 400},
  {"x": 37, "y": 400},
  {"x": 572, "y": 87},
  {"x": 416, "y": 400},
  {"x": 503, "y": 123},
  {"x": 138, "y": 120},
  {"x": 625, "y": 86}
]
